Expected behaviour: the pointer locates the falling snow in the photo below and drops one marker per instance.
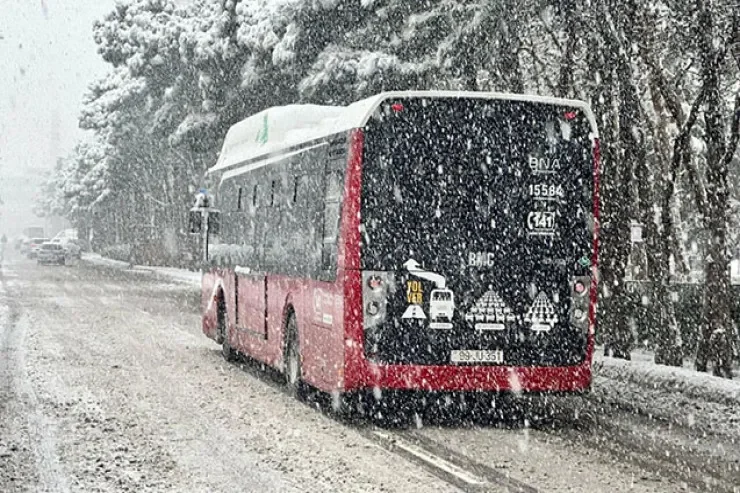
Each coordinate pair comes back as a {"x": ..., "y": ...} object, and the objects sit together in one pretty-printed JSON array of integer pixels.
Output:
[{"x": 375, "y": 245}]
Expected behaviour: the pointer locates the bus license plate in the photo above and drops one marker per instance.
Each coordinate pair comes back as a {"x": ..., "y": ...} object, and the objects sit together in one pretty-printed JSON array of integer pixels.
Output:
[{"x": 477, "y": 356}]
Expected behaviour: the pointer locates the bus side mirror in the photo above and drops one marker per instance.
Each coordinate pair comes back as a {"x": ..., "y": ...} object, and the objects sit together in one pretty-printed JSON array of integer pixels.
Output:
[
  {"x": 214, "y": 223},
  {"x": 195, "y": 222}
]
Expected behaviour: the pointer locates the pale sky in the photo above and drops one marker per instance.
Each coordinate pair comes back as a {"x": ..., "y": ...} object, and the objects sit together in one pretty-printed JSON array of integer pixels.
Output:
[{"x": 47, "y": 60}]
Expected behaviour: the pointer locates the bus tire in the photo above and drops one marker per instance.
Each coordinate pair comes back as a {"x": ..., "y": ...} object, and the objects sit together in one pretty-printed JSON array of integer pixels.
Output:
[
  {"x": 292, "y": 358},
  {"x": 227, "y": 351}
]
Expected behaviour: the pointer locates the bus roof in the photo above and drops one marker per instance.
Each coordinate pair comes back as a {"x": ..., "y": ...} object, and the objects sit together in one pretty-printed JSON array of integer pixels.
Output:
[{"x": 276, "y": 129}]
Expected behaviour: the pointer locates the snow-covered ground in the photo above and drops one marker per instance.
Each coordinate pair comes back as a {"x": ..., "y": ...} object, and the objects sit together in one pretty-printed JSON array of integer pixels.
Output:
[
  {"x": 643, "y": 371},
  {"x": 181, "y": 275},
  {"x": 110, "y": 386},
  {"x": 699, "y": 402}
]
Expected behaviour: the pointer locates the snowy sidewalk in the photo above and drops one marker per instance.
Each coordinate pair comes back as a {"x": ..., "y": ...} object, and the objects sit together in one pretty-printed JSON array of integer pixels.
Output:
[
  {"x": 642, "y": 371},
  {"x": 680, "y": 396},
  {"x": 169, "y": 273}
]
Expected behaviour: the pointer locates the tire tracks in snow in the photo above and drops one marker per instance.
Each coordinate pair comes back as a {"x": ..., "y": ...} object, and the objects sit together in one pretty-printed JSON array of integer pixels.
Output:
[
  {"x": 20, "y": 409},
  {"x": 450, "y": 466}
]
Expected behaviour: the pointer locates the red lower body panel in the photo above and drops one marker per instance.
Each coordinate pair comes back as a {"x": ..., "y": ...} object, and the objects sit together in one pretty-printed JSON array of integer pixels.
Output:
[{"x": 476, "y": 378}]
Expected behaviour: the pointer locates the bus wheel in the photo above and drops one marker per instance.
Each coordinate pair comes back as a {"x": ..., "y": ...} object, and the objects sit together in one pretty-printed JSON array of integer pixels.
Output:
[
  {"x": 292, "y": 358},
  {"x": 227, "y": 351}
]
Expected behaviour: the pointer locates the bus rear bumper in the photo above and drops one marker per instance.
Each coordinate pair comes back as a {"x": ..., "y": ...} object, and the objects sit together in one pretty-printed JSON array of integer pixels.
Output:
[{"x": 475, "y": 378}]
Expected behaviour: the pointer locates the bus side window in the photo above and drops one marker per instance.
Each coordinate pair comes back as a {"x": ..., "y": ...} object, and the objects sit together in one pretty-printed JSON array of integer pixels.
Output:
[
  {"x": 311, "y": 210},
  {"x": 332, "y": 206},
  {"x": 294, "y": 240},
  {"x": 259, "y": 216}
]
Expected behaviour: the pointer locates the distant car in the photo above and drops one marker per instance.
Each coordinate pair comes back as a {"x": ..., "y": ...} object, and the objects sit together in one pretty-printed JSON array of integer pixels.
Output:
[
  {"x": 51, "y": 253},
  {"x": 72, "y": 246},
  {"x": 34, "y": 245}
]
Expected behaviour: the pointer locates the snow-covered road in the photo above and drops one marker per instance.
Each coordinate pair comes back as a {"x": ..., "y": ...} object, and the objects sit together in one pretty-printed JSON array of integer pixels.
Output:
[{"x": 107, "y": 384}]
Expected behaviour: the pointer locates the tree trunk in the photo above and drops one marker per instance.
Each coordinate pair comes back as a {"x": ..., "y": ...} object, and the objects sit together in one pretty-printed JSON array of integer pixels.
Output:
[
  {"x": 616, "y": 178},
  {"x": 715, "y": 337},
  {"x": 668, "y": 340},
  {"x": 669, "y": 344},
  {"x": 565, "y": 78}
]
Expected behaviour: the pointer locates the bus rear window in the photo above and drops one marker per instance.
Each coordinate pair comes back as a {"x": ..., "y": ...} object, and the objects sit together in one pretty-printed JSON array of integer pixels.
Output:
[{"x": 446, "y": 179}]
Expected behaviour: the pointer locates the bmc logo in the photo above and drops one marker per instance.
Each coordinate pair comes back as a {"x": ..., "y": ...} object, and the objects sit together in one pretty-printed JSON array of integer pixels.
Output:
[{"x": 480, "y": 259}]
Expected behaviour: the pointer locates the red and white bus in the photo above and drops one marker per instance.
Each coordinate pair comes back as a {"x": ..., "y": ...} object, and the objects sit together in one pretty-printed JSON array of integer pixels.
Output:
[{"x": 429, "y": 241}]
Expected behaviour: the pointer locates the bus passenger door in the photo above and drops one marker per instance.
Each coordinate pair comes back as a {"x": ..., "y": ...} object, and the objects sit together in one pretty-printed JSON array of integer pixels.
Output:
[
  {"x": 251, "y": 302},
  {"x": 325, "y": 353}
]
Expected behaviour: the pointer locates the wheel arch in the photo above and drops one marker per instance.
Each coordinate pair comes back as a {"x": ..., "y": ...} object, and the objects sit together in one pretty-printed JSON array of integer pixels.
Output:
[
  {"x": 288, "y": 311},
  {"x": 222, "y": 314}
]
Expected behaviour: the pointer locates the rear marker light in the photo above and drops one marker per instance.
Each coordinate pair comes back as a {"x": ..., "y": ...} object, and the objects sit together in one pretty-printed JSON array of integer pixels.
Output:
[
  {"x": 397, "y": 107},
  {"x": 570, "y": 115},
  {"x": 373, "y": 308}
]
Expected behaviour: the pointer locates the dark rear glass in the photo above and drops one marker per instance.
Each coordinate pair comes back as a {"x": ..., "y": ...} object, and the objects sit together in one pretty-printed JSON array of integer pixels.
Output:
[
  {"x": 444, "y": 179},
  {"x": 482, "y": 210}
]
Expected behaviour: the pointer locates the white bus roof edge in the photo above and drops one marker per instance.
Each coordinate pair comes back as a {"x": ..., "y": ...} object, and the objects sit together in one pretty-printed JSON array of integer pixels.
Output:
[{"x": 275, "y": 129}]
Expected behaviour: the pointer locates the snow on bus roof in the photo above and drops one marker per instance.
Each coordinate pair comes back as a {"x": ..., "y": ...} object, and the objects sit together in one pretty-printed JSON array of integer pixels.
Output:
[{"x": 281, "y": 127}]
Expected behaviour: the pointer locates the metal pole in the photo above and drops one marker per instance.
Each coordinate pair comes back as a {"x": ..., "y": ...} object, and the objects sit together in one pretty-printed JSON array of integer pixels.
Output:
[{"x": 205, "y": 238}]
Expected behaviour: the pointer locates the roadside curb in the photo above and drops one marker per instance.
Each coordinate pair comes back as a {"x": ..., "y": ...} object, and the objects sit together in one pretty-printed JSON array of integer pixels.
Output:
[
  {"x": 163, "y": 273},
  {"x": 669, "y": 379}
]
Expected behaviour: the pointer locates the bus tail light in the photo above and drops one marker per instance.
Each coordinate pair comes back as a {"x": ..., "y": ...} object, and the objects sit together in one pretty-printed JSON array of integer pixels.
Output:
[
  {"x": 580, "y": 287},
  {"x": 375, "y": 282},
  {"x": 375, "y": 290},
  {"x": 579, "y": 302}
]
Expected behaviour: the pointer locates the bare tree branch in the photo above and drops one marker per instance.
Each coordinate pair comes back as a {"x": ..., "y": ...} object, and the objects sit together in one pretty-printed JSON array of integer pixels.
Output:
[
  {"x": 553, "y": 36},
  {"x": 681, "y": 153}
]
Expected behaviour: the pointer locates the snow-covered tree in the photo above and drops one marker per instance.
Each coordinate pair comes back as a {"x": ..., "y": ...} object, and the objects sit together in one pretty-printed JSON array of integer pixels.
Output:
[{"x": 182, "y": 73}]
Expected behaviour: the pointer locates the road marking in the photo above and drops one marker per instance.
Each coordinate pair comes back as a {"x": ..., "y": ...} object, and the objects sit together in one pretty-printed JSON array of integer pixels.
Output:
[{"x": 431, "y": 459}]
